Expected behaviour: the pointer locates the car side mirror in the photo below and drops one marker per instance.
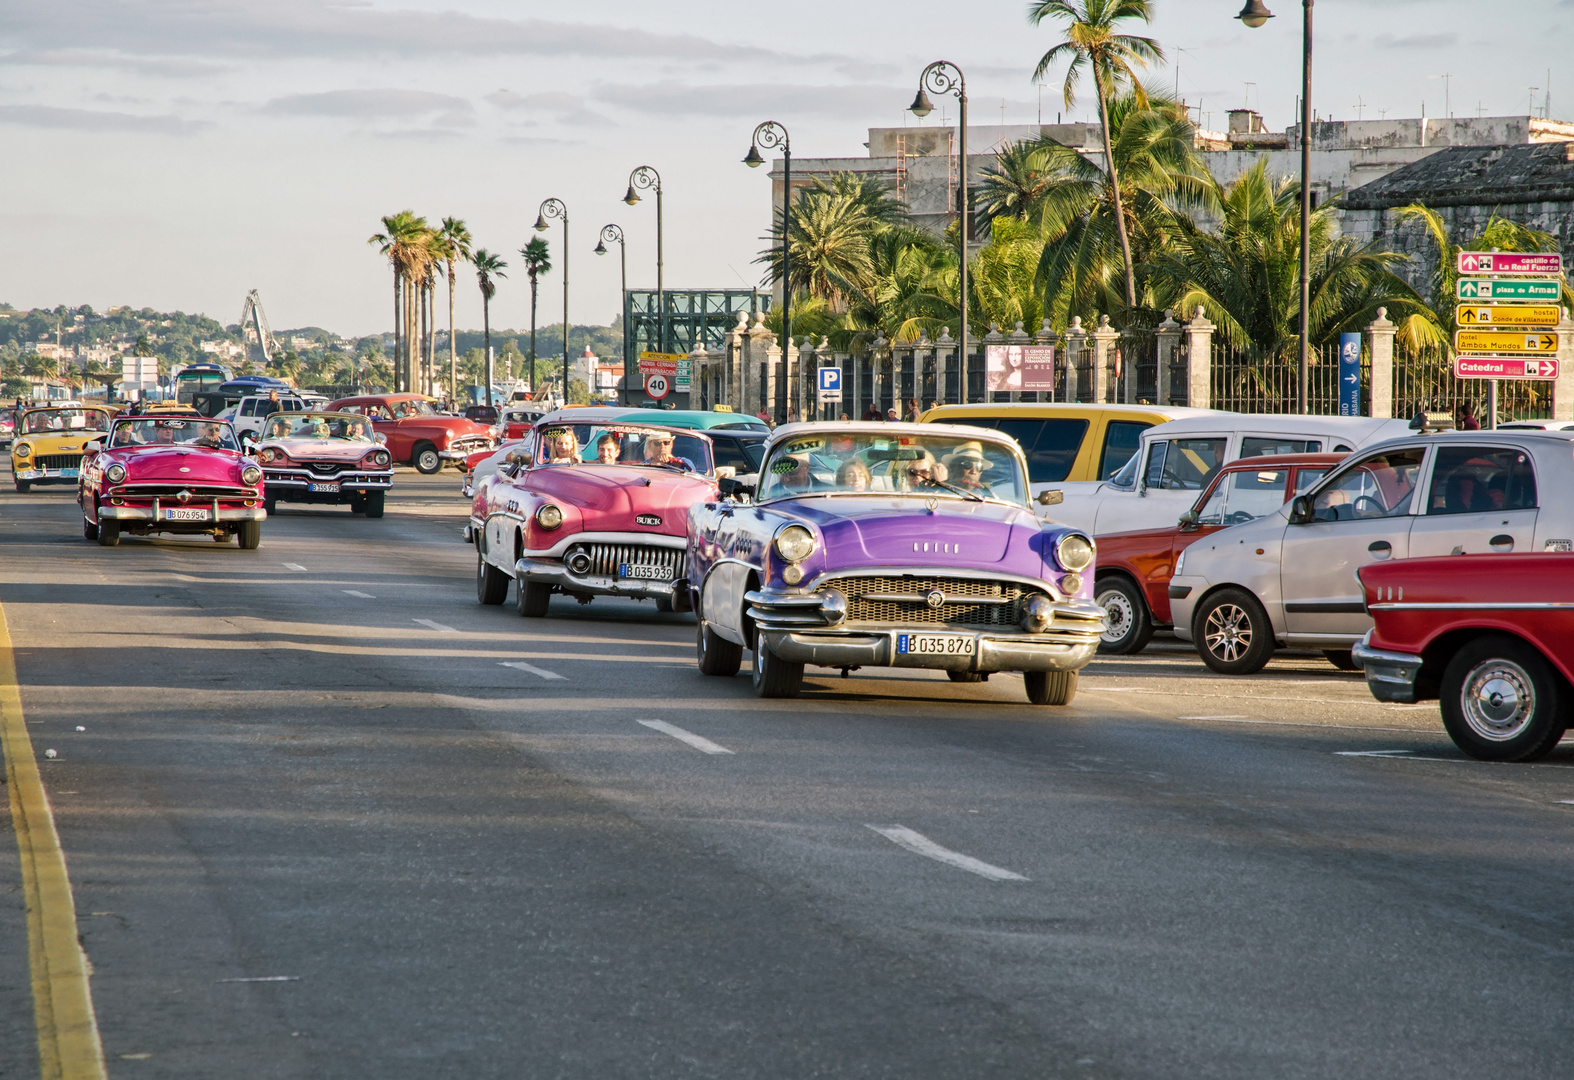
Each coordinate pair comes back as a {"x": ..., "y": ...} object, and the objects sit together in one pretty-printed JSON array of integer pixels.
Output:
[
  {"x": 1050, "y": 498},
  {"x": 1188, "y": 521},
  {"x": 734, "y": 488},
  {"x": 380, "y": 437},
  {"x": 93, "y": 447},
  {"x": 1301, "y": 510},
  {"x": 726, "y": 472},
  {"x": 248, "y": 436}
]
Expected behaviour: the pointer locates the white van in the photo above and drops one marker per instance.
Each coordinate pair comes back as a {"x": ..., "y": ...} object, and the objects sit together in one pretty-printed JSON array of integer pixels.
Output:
[
  {"x": 1178, "y": 459},
  {"x": 248, "y": 414}
]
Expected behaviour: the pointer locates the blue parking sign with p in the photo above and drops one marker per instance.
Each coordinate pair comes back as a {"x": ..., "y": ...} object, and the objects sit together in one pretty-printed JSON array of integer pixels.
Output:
[
  {"x": 830, "y": 378},
  {"x": 1349, "y": 374}
]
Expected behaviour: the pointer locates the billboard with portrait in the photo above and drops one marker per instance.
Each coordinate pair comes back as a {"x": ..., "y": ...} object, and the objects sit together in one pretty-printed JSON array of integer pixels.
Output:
[{"x": 1028, "y": 368}]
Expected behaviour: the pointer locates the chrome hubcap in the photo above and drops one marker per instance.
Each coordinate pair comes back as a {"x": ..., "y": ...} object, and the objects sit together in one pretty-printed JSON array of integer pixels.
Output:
[
  {"x": 1498, "y": 699},
  {"x": 1121, "y": 616},
  {"x": 1228, "y": 632}
]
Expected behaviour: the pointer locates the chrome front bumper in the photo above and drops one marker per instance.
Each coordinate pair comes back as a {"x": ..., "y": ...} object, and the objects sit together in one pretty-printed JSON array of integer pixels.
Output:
[
  {"x": 460, "y": 455},
  {"x": 216, "y": 514},
  {"x": 804, "y": 627},
  {"x": 361, "y": 481},
  {"x": 1390, "y": 676},
  {"x": 553, "y": 572},
  {"x": 46, "y": 476}
]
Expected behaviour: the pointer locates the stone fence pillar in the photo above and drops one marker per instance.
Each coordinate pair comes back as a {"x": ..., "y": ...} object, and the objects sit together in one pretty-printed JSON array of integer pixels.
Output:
[
  {"x": 1166, "y": 341},
  {"x": 1104, "y": 338},
  {"x": 1380, "y": 345},
  {"x": 1075, "y": 337},
  {"x": 1199, "y": 361},
  {"x": 1018, "y": 337},
  {"x": 733, "y": 365},
  {"x": 945, "y": 349},
  {"x": 1045, "y": 336},
  {"x": 1563, "y": 385}
]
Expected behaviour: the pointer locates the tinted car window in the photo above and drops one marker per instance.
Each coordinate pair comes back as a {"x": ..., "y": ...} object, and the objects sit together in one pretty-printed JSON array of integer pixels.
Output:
[
  {"x": 1306, "y": 478},
  {"x": 1122, "y": 439},
  {"x": 743, "y": 455},
  {"x": 1479, "y": 480},
  {"x": 1257, "y": 446},
  {"x": 1184, "y": 464},
  {"x": 1051, "y": 446}
]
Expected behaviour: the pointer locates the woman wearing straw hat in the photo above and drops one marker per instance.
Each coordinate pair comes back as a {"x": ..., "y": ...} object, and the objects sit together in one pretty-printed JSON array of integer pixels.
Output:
[{"x": 968, "y": 464}]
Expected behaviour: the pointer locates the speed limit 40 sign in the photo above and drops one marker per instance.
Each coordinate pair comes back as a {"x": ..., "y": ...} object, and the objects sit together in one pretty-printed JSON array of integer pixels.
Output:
[{"x": 657, "y": 385}]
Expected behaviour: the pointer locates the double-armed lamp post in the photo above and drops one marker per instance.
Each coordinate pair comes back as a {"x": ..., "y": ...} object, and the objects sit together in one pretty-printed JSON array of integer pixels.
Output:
[
  {"x": 944, "y": 77},
  {"x": 615, "y": 234},
  {"x": 1254, "y": 14},
  {"x": 646, "y": 178},
  {"x": 770, "y": 135},
  {"x": 554, "y": 208}
]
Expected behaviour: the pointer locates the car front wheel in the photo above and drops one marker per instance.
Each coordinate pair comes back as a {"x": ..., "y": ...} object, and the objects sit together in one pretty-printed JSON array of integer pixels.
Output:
[
  {"x": 773, "y": 676},
  {"x": 109, "y": 532},
  {"x": 374, "y": 503},
  {"x": 1501, "y": 701},
  {"x": 1232, "y": 633},
  {"x": 491, "y": 584},
  {"x": 534, "y": 598},
  {"x": 250, "y": 535},
  {"x": 426, "y": 460},
  {"x": 1130, "y": 626},
  {"x": 716, "y": 655},
  {"x": 1050, "y": 687}
]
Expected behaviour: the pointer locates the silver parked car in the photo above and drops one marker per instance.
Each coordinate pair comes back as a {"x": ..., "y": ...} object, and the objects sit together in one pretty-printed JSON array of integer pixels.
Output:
[{"x": 1288, "y": 578}]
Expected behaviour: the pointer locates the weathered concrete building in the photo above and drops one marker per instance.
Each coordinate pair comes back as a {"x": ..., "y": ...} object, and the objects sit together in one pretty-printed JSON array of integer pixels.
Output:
[{"x": 1467, "y": 185}]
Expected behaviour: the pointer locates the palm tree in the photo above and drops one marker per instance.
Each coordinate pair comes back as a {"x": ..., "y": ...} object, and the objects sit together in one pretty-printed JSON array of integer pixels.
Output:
[
  {"x": 406, "y": 241},
  {"x": 1159, "y": 174},
  {"x": 1246, "y": 275},
  {"x": 1092, "y": 42},
  {"x": 454, "y": 246},
  {"x": 487, "y": 267},
  {"x": 834, "y": 222},
  {"x": 538, "y": 261},
  {"x": 1014, "y": 185}
]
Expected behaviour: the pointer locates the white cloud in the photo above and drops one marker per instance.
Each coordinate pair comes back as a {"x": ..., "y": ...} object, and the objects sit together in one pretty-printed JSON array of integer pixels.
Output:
[{"x": 60, "y": 119}]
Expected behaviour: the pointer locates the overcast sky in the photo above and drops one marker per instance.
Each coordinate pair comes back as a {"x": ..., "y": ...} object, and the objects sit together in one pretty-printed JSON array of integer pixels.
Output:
[{"x": 176, "y": 153}]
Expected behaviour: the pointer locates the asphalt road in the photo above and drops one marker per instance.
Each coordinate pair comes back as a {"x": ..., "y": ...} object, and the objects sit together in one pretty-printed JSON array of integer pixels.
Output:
[{"x": 449, "y": 844}]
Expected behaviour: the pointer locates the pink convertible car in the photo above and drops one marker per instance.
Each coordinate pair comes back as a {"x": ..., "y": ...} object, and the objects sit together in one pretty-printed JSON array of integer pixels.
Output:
[{"x": 603, "y": 511}]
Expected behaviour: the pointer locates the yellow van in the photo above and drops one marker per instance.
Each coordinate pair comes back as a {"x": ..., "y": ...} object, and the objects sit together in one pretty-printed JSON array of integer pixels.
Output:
[{"x": 1067, "y": 446}]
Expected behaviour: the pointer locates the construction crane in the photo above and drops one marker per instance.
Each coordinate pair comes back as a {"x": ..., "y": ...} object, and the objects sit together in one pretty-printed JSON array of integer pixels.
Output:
[{"x": 254, "y": 323}]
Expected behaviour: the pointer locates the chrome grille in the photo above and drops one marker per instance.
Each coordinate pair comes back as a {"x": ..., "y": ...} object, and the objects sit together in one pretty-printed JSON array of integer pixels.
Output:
[
  {"x": 902, "y": 599},
  {"x": 606, "y": 558},
  {"x": 58, "y": 461},
  {"x": 198, "y": 491}
]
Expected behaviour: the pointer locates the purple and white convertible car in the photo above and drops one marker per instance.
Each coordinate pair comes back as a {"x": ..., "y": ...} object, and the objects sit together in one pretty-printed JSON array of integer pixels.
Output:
[{"x": 891, "y": 545}]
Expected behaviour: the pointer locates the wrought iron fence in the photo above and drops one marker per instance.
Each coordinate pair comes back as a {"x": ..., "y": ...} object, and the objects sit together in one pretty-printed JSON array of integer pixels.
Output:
[
  {"x": 1249, "y": 380},
  {"x": 1426, "y": 378}
]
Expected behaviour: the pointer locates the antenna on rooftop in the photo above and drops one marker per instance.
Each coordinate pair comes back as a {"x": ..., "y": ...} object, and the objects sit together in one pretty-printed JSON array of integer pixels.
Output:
[{"x": 1359, "y": 107}]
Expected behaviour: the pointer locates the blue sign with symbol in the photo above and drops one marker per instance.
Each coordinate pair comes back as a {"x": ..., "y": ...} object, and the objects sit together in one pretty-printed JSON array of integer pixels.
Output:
[
  {"x": 830, "y": 378},
  {"x": 1349, "y": 374}
]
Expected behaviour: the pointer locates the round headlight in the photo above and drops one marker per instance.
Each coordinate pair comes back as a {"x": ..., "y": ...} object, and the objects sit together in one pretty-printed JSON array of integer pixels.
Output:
[
  {"x": 115, "y": 473},
  {"x": 1074, "y": 552},
  {"x": 549, "y": 516},
  {"x": 794, "y": 543},
  {"x": 251, "y": 475},
  {"x": 22, "y": 449},
  {"x": 793, "y": 574},
  {"x": 380, "y": 459}
]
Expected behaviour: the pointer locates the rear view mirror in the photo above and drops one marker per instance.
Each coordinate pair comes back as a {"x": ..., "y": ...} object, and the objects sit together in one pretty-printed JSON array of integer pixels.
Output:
[
  {"x": 1188, "y": 521},
  {"x": 1051, "y": 498},
  {"x": 1301, "y": 510}
]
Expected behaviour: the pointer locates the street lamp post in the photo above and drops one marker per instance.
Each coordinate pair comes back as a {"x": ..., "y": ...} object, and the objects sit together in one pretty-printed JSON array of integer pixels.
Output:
[
  {"x": 944, "y": 77},
  {"x": 615, "y": 234},
  {"x": 1254, "y": 14},
  {"x": 647, "y": 178},
  {"x": 554, "y": 208},
  {"x": 770, "y": 135}
]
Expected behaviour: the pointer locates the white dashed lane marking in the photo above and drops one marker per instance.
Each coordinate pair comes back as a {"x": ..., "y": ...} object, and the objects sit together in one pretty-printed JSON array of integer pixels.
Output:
[
  {"x": 699, "y": 742},
  {"x": 294, "y": 566},
  {"x": 357, "y": 592},
  {"x": 919, "y": 844},
  {"x": 522, "y": 666},
  {"x": 439, "y": 627}
]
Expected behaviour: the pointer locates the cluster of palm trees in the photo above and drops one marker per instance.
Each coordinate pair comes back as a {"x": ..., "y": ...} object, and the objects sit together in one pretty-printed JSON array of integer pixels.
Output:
[{"x": 420, "y": 254}]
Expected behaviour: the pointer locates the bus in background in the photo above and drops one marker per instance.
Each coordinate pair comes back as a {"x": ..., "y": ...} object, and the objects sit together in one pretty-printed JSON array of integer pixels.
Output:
[{"x": 194, "y": 379}]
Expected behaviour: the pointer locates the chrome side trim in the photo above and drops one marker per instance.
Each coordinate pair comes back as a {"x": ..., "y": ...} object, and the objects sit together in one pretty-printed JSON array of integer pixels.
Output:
[{"x": 1499, "y": 605}]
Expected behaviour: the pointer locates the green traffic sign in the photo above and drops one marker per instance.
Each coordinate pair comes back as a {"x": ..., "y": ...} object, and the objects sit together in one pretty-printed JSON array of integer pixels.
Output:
[{"x": 1496, "y": 290}]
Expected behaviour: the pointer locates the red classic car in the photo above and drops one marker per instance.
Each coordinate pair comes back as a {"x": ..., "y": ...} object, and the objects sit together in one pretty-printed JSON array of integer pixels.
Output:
[
  {"x": 170, "y": 472},
  {"x": 1134, "y": 568},
  {"x": 1490, "y": 636},
  {"x": 416, "y": 433},
  {"x": 603, "y": 511}
]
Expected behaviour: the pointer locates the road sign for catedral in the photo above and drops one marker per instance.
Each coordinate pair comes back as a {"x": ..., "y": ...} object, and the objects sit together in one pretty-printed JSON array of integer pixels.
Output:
[
  {"x": 1504, "y": 367},
  {"x": 1510, "y": 262},
  {"x": 1506, "y": 290}
]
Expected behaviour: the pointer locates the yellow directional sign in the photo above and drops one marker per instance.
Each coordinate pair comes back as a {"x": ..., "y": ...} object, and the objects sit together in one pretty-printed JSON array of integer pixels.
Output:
[
  {"x": 1504, "y": 341},
  {"x": 1507, "y": 315}
]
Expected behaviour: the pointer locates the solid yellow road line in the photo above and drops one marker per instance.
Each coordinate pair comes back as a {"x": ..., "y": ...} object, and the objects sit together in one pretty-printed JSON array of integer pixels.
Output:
[{"x": 68, "y": 1042}]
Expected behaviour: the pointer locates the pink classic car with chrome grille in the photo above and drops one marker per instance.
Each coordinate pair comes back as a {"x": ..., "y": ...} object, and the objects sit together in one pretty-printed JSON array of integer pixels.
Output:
[
  {"x": 325, "y": 458},
  {"x": 602, "y": 511},
  {"x": 170, "y": 473}
]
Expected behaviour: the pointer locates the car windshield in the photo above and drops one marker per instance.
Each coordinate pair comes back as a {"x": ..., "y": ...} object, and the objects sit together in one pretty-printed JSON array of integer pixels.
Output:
[
  {"x": 414, "y": 407},
  {"x": 619, "y": 444},
  {"x": 868, "y": 462},
  {"x": 45, "y": 421},
  {"x": 173, "y": 431},
  {"x": 316, "y": 426}
]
